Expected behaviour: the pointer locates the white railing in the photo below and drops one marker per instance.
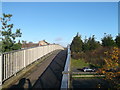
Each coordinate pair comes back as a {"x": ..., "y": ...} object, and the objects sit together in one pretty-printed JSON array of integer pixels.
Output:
[
  {"x": 66, "y": 73},
  {"x": 13, "y": 62}
]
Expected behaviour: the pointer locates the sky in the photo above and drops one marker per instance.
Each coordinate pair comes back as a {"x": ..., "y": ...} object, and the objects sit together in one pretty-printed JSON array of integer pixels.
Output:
[
  {"x": 59, "y": 22},
  {"x": 59, "y": 0}
]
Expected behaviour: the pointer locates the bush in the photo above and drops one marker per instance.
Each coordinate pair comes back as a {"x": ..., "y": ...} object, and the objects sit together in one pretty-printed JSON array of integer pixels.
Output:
[
  {"x": 77, "y": 56},
  {"x": 95, "y": 57}
]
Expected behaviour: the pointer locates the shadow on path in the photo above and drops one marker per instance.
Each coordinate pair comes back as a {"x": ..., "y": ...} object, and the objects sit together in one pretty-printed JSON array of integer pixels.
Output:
[
  {"x": 52, "y": 76},
  {"x": 21, "y": 85}
]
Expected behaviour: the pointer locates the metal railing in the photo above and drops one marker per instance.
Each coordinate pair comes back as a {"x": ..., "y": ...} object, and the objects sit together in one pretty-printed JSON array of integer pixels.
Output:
[
  {"x": 13, "y": 62},
  {"x": 66, "y": 73}
]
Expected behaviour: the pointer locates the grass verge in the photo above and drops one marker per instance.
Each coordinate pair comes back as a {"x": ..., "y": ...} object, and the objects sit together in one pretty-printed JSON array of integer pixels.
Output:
[
  {"x": 78, "y": 63},
  {"x": 88, "y": 76}
]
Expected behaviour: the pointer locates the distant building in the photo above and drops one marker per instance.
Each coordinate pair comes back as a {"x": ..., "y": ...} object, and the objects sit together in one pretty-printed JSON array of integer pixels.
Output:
[
  {"x": 41, "y": 43},
  {"x": 30, "y": 44}
]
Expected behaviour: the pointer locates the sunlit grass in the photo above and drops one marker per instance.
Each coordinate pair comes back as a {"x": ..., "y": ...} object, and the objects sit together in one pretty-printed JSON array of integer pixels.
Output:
[{"x": 78, "y": 63}]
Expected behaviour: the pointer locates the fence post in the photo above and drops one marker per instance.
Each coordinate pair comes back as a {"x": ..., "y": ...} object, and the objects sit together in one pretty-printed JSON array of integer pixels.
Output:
[
  {"x": 24, "y": 59},
  {"x": 0, "y": 69}
]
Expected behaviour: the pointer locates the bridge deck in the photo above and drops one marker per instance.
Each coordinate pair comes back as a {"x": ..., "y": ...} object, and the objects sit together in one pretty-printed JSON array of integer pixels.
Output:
[{"x": 47, "y": 74}]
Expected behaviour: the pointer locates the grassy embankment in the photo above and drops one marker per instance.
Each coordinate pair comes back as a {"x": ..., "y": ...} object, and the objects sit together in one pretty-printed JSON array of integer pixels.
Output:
[{"x": 78, "y": 64}]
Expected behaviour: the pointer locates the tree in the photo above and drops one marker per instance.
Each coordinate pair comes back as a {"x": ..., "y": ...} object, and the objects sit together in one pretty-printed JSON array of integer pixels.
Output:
[
  {"x": 111, "y": 67},
  {"x": 24, "y": 42},
  {"x": 8, "y": 37},
  {"x": 90, "y": 44},
  {"x": 76, "y": 45},
  {"x": 86, "y": 45},
  {"x": 117, "y": 40},
  {"x": 0, "y": 46},
  {"x": 17, "y": 46},
  {"x": 107, "y": 41}
]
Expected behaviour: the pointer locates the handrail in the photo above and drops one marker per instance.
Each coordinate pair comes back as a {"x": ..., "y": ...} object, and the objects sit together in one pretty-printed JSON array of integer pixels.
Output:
[
  {"x": 66, "y": 73},
  {"x": 14, "y": 61},
  {"x": 26, "y": 48}
]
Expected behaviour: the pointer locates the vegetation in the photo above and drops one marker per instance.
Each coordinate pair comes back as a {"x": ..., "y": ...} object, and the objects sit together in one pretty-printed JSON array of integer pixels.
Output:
[
  {"x": 105, "y": 56},
  {"x": 93, "y": 51},
  {"x": 76, "y": 45},
  {"x": 111, "y": 67},
  {"x": 107, "y": 41},
  {"x": 7, "y": 35},
  {"x": 117, "y": 40},
  {"x": 0, "y": 46},
  {"x": 78, "y": 63},
  {"x": 90, "y": 44}
]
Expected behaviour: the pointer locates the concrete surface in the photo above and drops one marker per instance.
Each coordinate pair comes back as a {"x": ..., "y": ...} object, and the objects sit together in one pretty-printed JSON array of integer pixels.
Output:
[{"x": 47, "y": 74}]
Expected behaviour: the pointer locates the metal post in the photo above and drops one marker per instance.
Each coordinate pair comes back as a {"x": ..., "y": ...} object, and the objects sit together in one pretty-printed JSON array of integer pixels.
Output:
[
  {"x": 24, "y": 59},
  {"x": 16, "y": 63},
  {"x": 0, "y": 69}
]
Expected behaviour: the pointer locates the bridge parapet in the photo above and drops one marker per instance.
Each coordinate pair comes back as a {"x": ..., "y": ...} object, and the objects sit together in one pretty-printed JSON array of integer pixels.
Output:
[
  {"x": 65, "y": 83},
  {"x": 14, "y": 61}
]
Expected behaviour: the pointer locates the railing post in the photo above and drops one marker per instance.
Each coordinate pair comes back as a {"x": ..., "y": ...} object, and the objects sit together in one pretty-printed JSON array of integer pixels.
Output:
[
  {"x": 0, "y": 69},
  {"x": 16, "y": 63},
  {"x": 24, "y": 59},
  {"x": 12, "y": 62}
]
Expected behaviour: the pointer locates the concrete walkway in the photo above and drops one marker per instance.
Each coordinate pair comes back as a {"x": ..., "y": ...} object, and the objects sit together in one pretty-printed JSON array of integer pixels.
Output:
[
  {"x": 47, "y": 74},
  {"x": 52, "y": 76}
]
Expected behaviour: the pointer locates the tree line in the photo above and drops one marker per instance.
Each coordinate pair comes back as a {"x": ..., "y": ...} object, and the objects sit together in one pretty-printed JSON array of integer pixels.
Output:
[
  {"x": 78, "y": 45},
  {"x": 92, "y": 51},
  {"x": 104, "y": 56}
]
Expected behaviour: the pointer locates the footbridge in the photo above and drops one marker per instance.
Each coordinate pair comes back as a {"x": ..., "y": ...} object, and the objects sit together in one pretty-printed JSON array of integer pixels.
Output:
[{"x": 38, "y": 67}]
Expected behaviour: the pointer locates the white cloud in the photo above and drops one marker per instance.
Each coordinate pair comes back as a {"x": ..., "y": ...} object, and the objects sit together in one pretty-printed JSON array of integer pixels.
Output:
[{"x": 59, "y": 39}]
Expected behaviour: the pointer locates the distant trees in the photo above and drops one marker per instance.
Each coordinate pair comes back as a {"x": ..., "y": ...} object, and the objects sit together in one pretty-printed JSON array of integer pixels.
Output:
[
  {"x": 90, "y": 44},
  {"x": 117, "y": 40},
  {"x": 76, "y": 45},
  {"x": 104, "y": 56},
  {"x": 0, "y": 46},
  {"x": 24, "y": 42},
  {"x": 7, "y": 35},
  {"x": 107, "y": 41}
]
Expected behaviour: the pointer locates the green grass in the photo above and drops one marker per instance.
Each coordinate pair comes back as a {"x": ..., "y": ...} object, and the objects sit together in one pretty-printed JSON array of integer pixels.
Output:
[
  {"x": 86, "y": 76},
  {"x": 78, "y": 64}
]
